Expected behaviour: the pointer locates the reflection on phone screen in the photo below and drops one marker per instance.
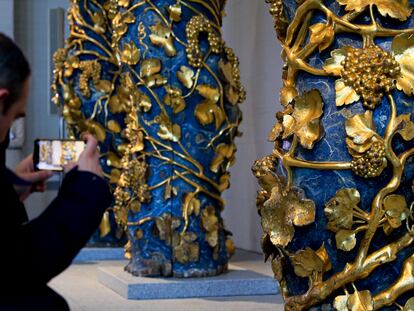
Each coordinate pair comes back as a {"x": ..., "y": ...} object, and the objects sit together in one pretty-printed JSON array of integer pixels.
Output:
[{"x": 54, "y": 154}]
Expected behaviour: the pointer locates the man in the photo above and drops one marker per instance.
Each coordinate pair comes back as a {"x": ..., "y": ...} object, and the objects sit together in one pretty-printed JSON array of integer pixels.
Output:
[{"x": 34, "y": 252}]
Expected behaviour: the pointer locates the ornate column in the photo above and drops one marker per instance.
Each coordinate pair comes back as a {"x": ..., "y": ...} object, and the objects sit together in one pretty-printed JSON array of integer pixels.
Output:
[
  {"x": 336, "y": 193},
  {"x": 156, "y": 84}
]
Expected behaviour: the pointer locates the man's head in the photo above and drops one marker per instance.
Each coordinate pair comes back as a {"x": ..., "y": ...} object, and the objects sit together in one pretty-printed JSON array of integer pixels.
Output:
[{"x": 14, "y": 84}]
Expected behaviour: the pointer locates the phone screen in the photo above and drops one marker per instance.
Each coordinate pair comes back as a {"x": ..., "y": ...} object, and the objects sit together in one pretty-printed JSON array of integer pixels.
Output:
[{"x": 53, "y": 155}]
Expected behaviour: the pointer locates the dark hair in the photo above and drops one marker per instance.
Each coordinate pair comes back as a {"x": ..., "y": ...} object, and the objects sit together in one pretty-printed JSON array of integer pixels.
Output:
[{"x": 14, "y": 70}]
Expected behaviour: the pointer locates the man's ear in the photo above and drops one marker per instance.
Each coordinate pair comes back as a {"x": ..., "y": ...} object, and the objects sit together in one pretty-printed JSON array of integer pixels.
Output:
[{"x": 4, "y": 93}]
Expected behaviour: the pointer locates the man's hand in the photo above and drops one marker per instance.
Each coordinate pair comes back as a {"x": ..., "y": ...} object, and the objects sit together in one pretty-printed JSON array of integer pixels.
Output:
[
  {"x": 25, "y": 170},
  {"x": 89, "y": 159}
]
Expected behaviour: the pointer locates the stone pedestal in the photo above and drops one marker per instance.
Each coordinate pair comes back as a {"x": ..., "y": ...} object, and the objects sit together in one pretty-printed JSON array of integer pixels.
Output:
[{"x": 236, "y": 282}]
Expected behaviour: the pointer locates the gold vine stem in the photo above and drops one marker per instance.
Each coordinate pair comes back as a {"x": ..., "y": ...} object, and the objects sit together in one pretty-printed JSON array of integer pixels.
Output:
[
  {"x": 170, "y": 149},
  {"x": 195, "y": 185},
  {"x": 87, "y": 38},
  {"x": 82, "y": 23},
  {"x": 135, "y": 6},
  {"x": 140, "y": 222},
  {"x": 321, "y": 291},
  {"x": 198, "y": 175},
  {"x": 165, "y": 181},
  {"x": 376, "y": 210},
  {"x": 289, "y": 161},
  {"x": 404, "y": 284}
]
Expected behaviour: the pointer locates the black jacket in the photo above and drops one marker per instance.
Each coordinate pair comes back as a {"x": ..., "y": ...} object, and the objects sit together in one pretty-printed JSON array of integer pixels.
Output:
[{"x": 35, "y": 252}]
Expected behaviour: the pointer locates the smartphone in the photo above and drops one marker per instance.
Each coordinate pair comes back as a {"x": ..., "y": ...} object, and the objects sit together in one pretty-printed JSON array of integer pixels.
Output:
[{"x": 53, "y": 155}]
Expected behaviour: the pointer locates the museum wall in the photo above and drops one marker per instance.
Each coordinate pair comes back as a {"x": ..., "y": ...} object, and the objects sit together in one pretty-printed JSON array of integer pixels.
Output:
[{"x": 248, "y": 28}]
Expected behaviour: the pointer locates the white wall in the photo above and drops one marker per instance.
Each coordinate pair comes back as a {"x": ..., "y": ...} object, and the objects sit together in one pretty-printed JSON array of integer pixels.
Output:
[
  {"x": 6, "y": 17},
  {"x": 248, "y": 29},
  {"x": 32, "y": 34}
]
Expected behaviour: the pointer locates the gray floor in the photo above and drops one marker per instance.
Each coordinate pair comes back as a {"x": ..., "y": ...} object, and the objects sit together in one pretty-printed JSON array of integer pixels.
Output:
[{"x": 80, "y": 287}]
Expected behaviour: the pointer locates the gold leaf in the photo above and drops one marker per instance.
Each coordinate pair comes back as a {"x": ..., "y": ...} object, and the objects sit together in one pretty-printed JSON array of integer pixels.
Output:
[
  {"x": 150, "y": 67},
  {"x": 144, "y": 102},
  {"x": 341, "y": 303},
  {"x": 210, "y": 223},
  {"x": 345, "y": 95},
  {"x": 113, "y": 160},
  {"x": 345, "y": 240},
  {"x": 208, "y": 92},
  {"x": 324, "y": 256},
  {"x": 74, "y": 103},
  {"x": 230, "y": 247},
  {"x": 409, "y": 306},
  {"x": 191, "y": 205},
  {"x": 223, "y": 152},
  {"x": 306, "y": 263},
  {"x": 339, "y": 209},
  {"x": 137, "y": 142},
  {"x": 96, "y": 129},
  {"x": 187, "y": 251},
  {"x": 276, "y": 132},
  {"x": 396, "y": 210},
  {"x": 403, "y": 48},
  {"x": 166, "y": 226},
  {"x": 130, "y": 54},
  {"x": 360, "y": 301},
  {"x": 231, "y": 90},
  {"x": 207, "y": 112},
  {"x": 135, "y": 206},
  {"x": 399, "y": 9},
  {"x": 162, "y": 36},
  {"x": 175, "y": 12},
  {"x": 405, "y": 127},
  {"x": 121, "y": 215},
  {"x": 174, "y": 99},
  {"x": 105, "y": 225},
  {"x": 71, "y": 64},
  {"x": 304, "y": 121},
  {"x": 156, "y": 80},
  {"x": 114, "y": 177},
  {"x": 333, "y": 65},
  {"x": 98, "y": 22},
  {"x": 282, "y": 211},
  {"x": 124, "y": 3},
  {"x": 322, "y": 35},
  {"x": 115, "y": 105},
  {"x": 360, "y": 128},
  {"x": 168, "y": 130},
  {"x": 224, "y": 182},
  {"x": 104, "y": 86},
  {"x": 186, "y": 76},
  {"x": 120, "y": 23},
  {"x": 71, "y": 116},
  {"x": 128, "y": 17},
  {"x": 114, "y": 126},
  {"x": 287, "y": 94}
]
